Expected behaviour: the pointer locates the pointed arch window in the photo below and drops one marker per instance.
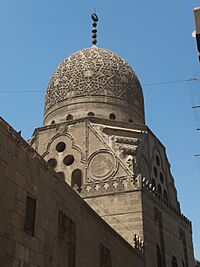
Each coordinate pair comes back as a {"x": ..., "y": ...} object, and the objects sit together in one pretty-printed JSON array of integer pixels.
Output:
[
  {"x": 165, "y": 194},
  {"x": 76, "y": 179},
  {"x": 159, "y": 190},
  {"x": 174, "y": 262},
  {"x": 159, "y": 256}
]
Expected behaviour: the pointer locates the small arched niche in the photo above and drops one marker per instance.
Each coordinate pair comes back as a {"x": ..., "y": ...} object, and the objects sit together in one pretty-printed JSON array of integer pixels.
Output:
[
  {"x": 174, "y": 262},
  {"x": 112, "y": 116},
  {"x": 52, "y": 163},
  {"x": 76, "y": 179},
  {"x": 90, "y": 114},
  {"x": 159, "y": 256},
  {"x": 165, "y": 195},
  {"x": 69, "y": 117},
  {"x": 61, "y": 175},
  {"x": 159, "y": 188}
]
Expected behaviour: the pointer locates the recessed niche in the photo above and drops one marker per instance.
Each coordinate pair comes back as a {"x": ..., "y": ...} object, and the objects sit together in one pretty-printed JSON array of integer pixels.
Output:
[
  {"x": 165, "y": 195},
  {"x": 90, "y": 114},
  {"x": 68, "y": 160},
  {"x": 161, "y": 178},
  {"x": 60, "y": 147},
  {"x": 159, "y": 190},
  {"x": 155, "y": 172},
  {"x": 61, "y": 175},
  {"x": 76, "y": 179},
  {"x": 52, "y": 163},
  {"x": 53, "y": 122},
  {"x": 69, "y": 117},
  {"x": 112, "y": 116},
  {"x": 157, "y": 160},
  {"x": 130, "y": 121}
]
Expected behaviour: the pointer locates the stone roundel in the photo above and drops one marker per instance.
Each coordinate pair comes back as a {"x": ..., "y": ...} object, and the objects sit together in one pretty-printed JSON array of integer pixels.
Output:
[
  {"x": 102, "y": 165},
  {"x": 93, "y": 72}
]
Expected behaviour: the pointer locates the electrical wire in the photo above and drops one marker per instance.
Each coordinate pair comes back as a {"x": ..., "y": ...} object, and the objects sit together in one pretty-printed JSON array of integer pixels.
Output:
[
  {"x": 171, "y": 82},
  {"x": 194, "y": 92}
]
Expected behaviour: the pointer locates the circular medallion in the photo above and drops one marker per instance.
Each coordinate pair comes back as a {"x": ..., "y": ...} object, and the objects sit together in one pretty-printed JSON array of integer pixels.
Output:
[{"x": 101, "y": 165}]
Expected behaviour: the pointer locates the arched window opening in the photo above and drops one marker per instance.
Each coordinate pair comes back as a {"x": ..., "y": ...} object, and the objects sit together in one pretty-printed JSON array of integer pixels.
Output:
[
  {"x": 90, "y": 114},
  {"x": 52, "y": 163},
  {"x": 159, "y": 256},
  {"x": 161, "y": 178},
  {"x": 165, "y": 195},
  {"x": 155, "y": 172},
  {"x": 159, "y": 190},
  {"x": 69, "y": 117},
  {"x": 112, "y": 116},
  {"x": 157, "y": 160},
  {"x": 61, "y": 175},
  {"x": 130, "y": 120},
  {"x": 53, "y": 122},
  {"x": 174, "y": 262},
  {"x": 76, "y": 179}
]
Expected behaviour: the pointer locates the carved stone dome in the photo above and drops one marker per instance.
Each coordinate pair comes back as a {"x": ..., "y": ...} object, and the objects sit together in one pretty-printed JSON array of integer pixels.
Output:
[{"x": 94, "y": 81}]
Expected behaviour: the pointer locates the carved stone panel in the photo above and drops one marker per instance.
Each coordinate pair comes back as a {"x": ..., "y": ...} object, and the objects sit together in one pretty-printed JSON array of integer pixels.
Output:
[
  {"x": 67, "y": 237},
  {"x": 102, "y": 165}
]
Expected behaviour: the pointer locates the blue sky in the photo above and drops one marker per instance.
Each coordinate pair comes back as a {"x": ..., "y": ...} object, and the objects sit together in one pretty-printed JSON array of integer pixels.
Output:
[{"x": 153, "y": 36}]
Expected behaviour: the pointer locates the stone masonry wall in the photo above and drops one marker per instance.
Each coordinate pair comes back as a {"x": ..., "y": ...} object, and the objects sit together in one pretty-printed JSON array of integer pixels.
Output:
[
  {"x": 67, "y": 232},
  {"x": 168, "y": 230},
  {"x": 123, "y": 211}
]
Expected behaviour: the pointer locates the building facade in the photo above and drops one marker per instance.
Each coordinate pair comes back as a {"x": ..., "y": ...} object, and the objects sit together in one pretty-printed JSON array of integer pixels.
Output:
[
  {"x": 44, "y": 222},
  {"x": 95, "y": 140}
]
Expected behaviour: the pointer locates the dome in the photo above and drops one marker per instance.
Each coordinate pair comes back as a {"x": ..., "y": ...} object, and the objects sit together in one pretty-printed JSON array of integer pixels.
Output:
[{"x": 94, "y": 81}]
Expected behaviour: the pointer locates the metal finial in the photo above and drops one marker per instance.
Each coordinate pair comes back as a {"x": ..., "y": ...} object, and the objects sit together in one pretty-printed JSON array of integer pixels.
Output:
[{"x": 94, "y": 29}]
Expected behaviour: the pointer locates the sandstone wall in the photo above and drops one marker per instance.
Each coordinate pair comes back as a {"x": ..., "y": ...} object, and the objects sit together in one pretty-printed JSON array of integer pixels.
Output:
[{"x": 67, "y": 231}]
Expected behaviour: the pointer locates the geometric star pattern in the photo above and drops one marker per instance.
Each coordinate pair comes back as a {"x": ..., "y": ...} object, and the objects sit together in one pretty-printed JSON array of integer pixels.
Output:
[{"x": 94, "y": 72}]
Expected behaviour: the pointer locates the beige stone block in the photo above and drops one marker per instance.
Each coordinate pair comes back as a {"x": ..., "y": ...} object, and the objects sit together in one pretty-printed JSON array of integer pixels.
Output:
[
  {"x": 17, "y": 263},
  {"x": 20, "y": 251},
  {"x": 27, "y": 256},
  {"x": 3, "y": 165},
  {"x": 45, "y": 223},
  {"x": 19, "y": 207},
  {"x": 40, "y": 233},
  {"x": 34, "y": 244},
  {"x": 39, "y": 260},
  {"x": 8, "y": 246},
  {"x": 16, "y": 220},
  {"x": 21, "y": 194},
  {"x": 41, "y": 247},
  {"x": 33, "y": 257}
]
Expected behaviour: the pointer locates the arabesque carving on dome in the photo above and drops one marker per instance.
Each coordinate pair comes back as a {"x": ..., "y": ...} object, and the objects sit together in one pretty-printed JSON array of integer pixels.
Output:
[{"x": 93, "y": 72}]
